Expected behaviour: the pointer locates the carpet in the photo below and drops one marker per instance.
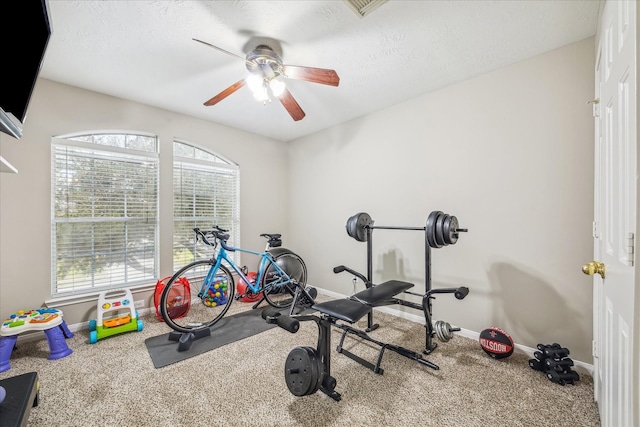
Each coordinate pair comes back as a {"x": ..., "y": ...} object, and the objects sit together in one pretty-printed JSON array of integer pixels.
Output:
[{"x": 164, "y": 351}]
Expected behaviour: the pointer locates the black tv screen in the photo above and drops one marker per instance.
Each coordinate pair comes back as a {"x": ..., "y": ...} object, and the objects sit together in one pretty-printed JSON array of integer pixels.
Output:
[{"x": 26, "y": 38}]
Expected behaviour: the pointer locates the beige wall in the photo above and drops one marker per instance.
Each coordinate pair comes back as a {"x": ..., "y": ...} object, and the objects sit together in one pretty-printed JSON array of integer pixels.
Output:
[
  {"x": 636, "y": 341},
  {"x": 25, "y": 201},
  {"x": 510, "y": 154}
]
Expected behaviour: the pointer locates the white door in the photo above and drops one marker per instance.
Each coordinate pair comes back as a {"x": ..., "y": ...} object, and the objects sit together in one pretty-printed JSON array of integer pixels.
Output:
[{"x": 615, "y": 360}]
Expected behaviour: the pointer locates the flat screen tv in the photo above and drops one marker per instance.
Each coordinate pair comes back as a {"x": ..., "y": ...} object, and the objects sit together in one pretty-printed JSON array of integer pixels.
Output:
[{"x": 26, "y": 38}]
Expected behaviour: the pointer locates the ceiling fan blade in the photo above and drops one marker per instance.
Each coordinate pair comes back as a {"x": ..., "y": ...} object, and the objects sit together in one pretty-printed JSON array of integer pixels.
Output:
[
  {"x": 313, "y": 75},
  {"x": 291, "y": 105},
  {"x": 224, "y": 51},
  {"x": 228, "y": 91}
]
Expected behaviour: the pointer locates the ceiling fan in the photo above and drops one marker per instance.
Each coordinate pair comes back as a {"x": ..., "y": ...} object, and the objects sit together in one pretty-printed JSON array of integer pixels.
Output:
[{"x": 265, "y": 67}]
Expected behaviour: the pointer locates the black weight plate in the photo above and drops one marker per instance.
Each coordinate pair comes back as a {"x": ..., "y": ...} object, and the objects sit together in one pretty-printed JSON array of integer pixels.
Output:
[
  {"x": 362, "y": 222},
  {"x": 350, "y": 226},
  {"x": 446, "y": 227},
  {"x": 454, "y": 231},
  {"x": 302, "y": 371},
  {"x": 430, "y": 229},
  {"x": 439, "y": 232},
  {"x": 317, "y": 368},
  {"x": 449, "y": 230}
]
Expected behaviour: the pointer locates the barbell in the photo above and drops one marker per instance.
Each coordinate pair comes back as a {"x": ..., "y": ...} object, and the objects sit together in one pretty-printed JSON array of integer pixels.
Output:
[{"x": 440, "y": 230}]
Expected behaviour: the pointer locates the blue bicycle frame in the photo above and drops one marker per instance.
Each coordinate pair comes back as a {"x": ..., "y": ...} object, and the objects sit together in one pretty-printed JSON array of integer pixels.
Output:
[
  {"x": 281, "y": 282},
  {"x": 265, "y": 257}
]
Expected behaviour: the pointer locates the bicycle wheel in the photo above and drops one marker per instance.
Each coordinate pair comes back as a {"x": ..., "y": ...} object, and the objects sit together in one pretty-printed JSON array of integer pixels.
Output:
[
  {"x": 191, "y": 301},
  {"x": 278, "y": 291}
]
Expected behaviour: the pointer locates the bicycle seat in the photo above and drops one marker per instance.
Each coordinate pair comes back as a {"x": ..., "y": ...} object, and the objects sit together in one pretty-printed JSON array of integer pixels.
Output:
[
  {"x": 271, "y": 236},
  {"x": 274, "y": 239}
]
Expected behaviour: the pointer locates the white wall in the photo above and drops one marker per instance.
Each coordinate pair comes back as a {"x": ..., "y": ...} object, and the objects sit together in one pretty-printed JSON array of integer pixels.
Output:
[
  {"x": 25, "y": 202},
  {"x": 510, "y": 154}
]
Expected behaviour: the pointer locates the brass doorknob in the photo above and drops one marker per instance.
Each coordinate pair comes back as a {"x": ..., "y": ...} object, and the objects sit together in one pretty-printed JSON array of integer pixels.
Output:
[{"x": 594, "y": 267}]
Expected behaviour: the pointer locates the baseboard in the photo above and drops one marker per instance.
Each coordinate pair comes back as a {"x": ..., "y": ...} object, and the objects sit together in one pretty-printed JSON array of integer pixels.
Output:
[{"x": 580, "y": 367}]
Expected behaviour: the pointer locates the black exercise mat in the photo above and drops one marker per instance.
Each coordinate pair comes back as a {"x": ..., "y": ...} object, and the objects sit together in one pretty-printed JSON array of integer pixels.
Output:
[{"x": 164, "y": 351}]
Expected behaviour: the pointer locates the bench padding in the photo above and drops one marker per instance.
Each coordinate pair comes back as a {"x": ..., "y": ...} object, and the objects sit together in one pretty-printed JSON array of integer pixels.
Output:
[
  {"x": 343, "y": 309},
  {"x": 381, "y": 292}
]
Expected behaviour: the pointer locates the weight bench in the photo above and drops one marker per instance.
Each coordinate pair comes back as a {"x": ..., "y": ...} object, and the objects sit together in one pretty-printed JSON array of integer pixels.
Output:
[
  {"x": 308, "y": 370},
  {"x": 386, "y": 294}
]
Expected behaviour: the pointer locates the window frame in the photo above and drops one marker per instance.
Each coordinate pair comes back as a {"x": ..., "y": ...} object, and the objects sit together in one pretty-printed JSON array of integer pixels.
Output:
[
  {"x": 77, "y": 141},
  {"x": 216, "y": 162}
]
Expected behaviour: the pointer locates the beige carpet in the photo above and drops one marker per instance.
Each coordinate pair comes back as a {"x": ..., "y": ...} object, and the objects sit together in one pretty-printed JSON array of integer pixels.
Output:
[{"x": 114, "y": 383}]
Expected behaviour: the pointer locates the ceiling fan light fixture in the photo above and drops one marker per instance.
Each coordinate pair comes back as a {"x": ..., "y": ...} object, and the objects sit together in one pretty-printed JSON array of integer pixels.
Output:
[
  {"x": 277, "y": 87},
  {"x": 258, "y": 88},
  {"x": 255, "y": 83},
  {"x": 262, "y": 94}
]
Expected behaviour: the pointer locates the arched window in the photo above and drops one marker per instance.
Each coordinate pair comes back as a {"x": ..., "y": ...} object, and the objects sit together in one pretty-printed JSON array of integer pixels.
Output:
[
  {"x": 104, "y": 212},
  {"x": 206, "y": 192}
]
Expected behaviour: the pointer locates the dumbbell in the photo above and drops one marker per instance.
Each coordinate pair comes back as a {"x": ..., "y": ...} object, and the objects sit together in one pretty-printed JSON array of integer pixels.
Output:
[
  {"x": 536, "y": 364},
  {"x": 556, "y": 353},
  {"x": 563, "y": 378},
  {"x": 562, "y": 365},
  {"x": 542, "y": 347}
]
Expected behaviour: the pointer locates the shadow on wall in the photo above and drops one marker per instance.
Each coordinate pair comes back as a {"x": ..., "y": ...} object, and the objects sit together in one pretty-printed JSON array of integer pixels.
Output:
[
  {"x": 530, "y": 309},
  {"x": 392, "y": 268}
]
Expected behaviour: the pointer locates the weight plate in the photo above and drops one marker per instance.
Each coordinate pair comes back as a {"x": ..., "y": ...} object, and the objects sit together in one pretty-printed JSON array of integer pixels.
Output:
[
  {"x": 363, "y": 220},
  {"x": 453, "y": 230},
  {"x": 350, "y": 226},
  {"x": 449, "y": 230},
  {"x": 439, "y": 232},
  {"x": 443, "y": 330},
  {"x": 302, "y": 371},
  {"x": 446, "y": 226},
  {"x": 430, "y": 229}
]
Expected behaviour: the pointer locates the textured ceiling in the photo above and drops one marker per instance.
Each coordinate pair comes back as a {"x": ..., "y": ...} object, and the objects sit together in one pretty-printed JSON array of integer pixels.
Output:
[{"x": 143, "y": 51}]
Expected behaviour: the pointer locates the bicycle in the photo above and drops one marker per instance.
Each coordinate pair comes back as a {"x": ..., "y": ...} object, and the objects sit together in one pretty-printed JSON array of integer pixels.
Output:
[{"x": 199, "y": 294}]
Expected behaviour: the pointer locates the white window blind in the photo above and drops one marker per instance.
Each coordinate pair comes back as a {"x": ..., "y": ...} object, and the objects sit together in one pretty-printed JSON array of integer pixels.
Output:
[
  {"x": 105, "y": 212},
  {"x": 205, "y": 193}
]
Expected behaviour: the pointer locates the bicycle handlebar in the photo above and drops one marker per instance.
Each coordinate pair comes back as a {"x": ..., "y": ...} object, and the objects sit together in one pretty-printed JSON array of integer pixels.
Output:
[{"x": 218, "y": 234}]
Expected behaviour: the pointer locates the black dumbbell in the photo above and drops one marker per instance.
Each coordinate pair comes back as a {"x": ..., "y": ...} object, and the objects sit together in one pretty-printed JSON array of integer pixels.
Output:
[
  {"x": 563, "y": 378},
  {"x": 562, "y": 365},
  {"x": 542, "y": 347},
  {"x": 536, "y": 364},
  {"x": 539, "y": 356},
  {"x": 556, "y": 353}
]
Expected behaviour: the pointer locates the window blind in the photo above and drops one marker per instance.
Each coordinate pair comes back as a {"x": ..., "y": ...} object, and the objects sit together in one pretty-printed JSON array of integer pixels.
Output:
[
  {"x": 205, "y": 194},
  {"x": 105, "y": 217}
]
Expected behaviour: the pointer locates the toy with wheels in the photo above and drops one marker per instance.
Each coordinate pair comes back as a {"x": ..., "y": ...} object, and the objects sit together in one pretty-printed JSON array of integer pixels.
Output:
[{"x": 116, "y": 315}]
